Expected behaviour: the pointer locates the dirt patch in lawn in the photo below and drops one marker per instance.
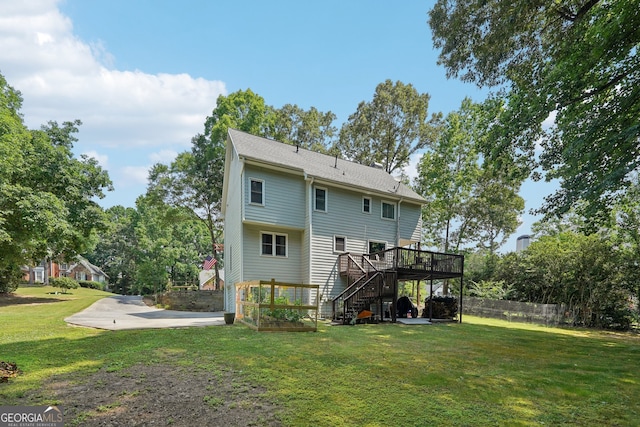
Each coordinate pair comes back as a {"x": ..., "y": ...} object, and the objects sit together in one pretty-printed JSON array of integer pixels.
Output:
[{"x": 159, "y": 394}]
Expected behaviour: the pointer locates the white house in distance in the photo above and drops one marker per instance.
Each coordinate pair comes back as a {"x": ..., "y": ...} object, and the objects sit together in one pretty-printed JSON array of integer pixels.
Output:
[{"x": 292, "y": 214}]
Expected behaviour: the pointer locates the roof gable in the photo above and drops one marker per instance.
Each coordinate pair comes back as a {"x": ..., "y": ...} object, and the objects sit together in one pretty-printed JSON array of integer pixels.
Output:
[{"x": 320, "y": 166}]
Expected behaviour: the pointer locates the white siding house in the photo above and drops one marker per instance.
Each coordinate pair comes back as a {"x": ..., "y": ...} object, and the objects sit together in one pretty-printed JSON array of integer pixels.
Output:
[{"x": 290, "y": 212}]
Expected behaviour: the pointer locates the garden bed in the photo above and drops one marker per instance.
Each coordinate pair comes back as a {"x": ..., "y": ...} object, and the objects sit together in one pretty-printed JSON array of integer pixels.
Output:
[{"x": 277, "y": 306}]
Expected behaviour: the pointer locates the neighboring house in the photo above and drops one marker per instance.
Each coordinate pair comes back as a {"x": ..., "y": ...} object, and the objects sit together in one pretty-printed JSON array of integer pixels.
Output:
[
  {"x": 207, "y": 280},
  {"x": 79, "y": 269},
  {"x": 290, "y": 213},
  {"x": 84, "y": 270}
]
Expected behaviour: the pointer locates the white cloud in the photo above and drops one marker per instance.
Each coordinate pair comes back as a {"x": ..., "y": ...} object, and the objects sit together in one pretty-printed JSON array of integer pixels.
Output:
[
  {"x": 102, "y": 159},
  {"x": 129, "y": 117},
  {"x": 163, "y": 156},
  {"x": 64, "y": 78},
  {"x": 133, "y": 175},
  {"x": 550, "y": 120}
]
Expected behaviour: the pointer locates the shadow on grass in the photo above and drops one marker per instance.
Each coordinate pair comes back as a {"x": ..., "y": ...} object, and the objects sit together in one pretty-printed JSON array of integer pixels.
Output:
[{"x": 7, "y": 300}]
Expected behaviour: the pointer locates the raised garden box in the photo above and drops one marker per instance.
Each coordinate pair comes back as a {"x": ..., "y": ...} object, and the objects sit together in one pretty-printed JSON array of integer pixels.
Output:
[{"x": 277, "y": 306}]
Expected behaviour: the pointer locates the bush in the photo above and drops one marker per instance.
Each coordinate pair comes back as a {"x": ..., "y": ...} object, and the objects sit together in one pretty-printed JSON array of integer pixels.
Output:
[
  {"x": 10, "y": 277},
  {"x": 91, "y": 285},
  {"x": 615, "y": 316},
  {"x": 490, "y": 289},
  {"x": 64, "y": 283}
]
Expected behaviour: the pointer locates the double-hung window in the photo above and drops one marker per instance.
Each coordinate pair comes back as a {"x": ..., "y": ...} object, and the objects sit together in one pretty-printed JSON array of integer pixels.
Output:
[
  {"x": 366, "y": 204},
  {"x": 320, "y": 199},
  {"x": 339, "y": 244},
  {"x": 388, "y": 210},
  {"x": 274, "y": 244},
  {"x": 257, "y": 191}
]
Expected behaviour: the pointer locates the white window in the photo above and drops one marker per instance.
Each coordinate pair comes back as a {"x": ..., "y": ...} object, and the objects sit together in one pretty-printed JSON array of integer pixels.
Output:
[
  {"x": 388, "y": 210},
  {"x": 339, "y": 244},
  {"x": 366, "y": 204},
  {"x": 257, "y": 191},
  {"x": 320, "y": 199},
  {"x": 274, "y": 244},
  {"x": 376, "y": 249}
]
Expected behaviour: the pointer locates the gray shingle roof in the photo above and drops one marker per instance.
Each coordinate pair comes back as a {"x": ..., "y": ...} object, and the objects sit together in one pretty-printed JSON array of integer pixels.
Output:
[{"x": 320, "y": 166}]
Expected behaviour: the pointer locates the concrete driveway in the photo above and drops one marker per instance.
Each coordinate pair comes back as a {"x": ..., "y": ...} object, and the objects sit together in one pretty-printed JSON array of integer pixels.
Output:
[{"x": 130, "y": 312}]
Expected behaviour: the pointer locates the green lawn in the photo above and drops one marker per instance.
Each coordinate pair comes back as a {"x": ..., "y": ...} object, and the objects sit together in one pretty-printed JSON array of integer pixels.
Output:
[{"x": 480, "y": 372}]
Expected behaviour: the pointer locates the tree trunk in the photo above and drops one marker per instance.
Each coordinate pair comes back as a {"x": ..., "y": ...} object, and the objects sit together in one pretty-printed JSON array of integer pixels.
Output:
[
  {"x": 211, "y": 227},
  {"x": 445, "y": 284}
]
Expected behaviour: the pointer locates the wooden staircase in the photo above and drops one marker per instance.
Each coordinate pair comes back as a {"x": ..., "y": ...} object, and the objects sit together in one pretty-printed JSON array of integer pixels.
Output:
[
  {"x": 370, "y": 285},
  {"x": 372, "y": 279}
]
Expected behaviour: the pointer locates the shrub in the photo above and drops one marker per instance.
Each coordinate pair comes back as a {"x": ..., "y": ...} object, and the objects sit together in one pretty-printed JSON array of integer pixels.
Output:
[
  {"x": 10, "y": 277},
  {"x": 490, "y": 289},
  {"x": 91, "y": 285},
  {"x": 291, "y": 315},
  {"x": 64, "y": 283}
]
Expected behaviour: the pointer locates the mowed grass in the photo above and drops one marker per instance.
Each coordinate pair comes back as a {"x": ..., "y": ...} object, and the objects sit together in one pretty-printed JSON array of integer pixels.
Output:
[{"x": 480, "y": 372}]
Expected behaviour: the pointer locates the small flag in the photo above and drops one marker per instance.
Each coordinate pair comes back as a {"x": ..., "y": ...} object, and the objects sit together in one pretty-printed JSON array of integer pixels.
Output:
[{"x": 209, "y": 262}]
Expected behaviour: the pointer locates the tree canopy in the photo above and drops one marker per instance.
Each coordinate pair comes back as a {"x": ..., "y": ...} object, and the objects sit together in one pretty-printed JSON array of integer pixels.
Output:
[
  {"x": 47, "y": 196},
  {"x": 469, "y": 200},
  {"x": 194, "y": 180},
  {"x": 311, "y": 129},
  {"x": 575, "y": 62},
  {"x": 390, "y": 128}
]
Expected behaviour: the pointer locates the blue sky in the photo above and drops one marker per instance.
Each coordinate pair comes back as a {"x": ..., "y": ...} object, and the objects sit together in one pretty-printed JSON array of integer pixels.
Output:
[{"x": 143, "y": 75}]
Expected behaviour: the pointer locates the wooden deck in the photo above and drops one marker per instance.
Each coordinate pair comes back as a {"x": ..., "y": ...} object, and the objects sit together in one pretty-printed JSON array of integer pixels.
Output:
[
  {"x": 373, "y": 278},
  {"x": 409, "y": 264}
]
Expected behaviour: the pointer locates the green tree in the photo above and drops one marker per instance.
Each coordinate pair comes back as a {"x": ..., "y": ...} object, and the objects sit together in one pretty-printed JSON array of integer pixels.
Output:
[
  {"x": 582, "y": 272},
  {"x": 574, "y": 61},
  {"x": 627, "y": 238},
  {"x": 241, "y": 110},
  {"x": 447, "y": 172},
  {"x": 468, "y": 200},
  {"x": 171, "y": 244},
  {"x": 117, "y": 250},
  {"x": 493, "y": 211},
  {"x": 389, "y": 129},
  {"x": 311, "y": 129},
  {"x": 193, "y": 183},
  {"x": 194, "y": 180},
  {"x": 47, "y": 196}
]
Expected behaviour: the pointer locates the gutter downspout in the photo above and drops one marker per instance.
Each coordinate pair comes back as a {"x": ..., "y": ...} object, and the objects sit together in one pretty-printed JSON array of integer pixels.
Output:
[
  {"x": 309, "y": 224},
  {"x": 398, "y": 223}
]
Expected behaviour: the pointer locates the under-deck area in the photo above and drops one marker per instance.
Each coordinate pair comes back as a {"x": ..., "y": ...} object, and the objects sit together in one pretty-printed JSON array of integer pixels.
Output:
[{"x": 373, "y": 278}]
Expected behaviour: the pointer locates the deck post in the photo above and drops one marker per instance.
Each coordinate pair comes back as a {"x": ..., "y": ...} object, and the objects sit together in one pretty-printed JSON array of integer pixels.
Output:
[
  {"x": 431, "y": 299},
  {"x": 395, "y": 299},
  {"x": 461, "y": 288}
]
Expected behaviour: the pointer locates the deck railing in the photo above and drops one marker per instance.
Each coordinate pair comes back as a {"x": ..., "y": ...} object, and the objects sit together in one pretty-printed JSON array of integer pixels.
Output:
[
  {"x": 358, "y": 295},
  {"x": 438, "y": 263}
]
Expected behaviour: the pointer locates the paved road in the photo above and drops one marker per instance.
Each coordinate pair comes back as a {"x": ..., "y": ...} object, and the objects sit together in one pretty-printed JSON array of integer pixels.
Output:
[{"x": 130, "y": 312}]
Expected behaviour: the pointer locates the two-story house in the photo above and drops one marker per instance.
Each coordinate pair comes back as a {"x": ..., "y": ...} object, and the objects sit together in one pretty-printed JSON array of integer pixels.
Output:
[
  {"x": 79, "y": 269},
  {"x": 291, "y": 213}
]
